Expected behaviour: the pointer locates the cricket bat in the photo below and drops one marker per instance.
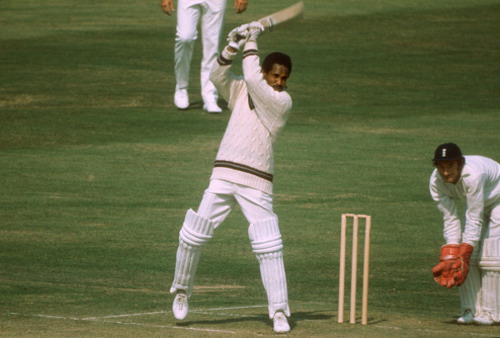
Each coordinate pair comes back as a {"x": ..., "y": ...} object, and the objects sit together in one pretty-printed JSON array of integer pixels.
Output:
[{"x": 293, "y": 12}]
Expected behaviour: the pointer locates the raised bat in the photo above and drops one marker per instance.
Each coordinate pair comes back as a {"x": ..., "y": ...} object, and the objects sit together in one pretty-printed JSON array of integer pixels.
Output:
[{"x": 293, "y": 12}]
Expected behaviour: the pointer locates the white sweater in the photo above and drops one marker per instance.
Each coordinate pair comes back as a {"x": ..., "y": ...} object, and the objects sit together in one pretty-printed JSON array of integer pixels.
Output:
[
  {"x": 259, "y": 113},
  {"x": 477, "y": 191}
]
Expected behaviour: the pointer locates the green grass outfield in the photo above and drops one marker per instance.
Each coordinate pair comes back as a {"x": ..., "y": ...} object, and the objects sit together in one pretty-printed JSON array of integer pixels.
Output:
[{"x": 97, "y": 167}]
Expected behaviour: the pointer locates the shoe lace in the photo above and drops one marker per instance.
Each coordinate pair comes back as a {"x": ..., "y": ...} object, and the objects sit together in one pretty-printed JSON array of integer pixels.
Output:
[
  {"x": 181, "y": 300},
  {"x": 280, "y": 319}
]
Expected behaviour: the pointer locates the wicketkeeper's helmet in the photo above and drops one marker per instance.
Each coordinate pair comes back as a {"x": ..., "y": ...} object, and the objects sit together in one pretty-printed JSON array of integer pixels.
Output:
[{"x": 447, "y": 152}]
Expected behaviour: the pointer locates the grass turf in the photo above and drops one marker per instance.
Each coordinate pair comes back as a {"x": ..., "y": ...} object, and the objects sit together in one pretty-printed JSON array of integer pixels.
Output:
[{"x": 98, "y": 167}]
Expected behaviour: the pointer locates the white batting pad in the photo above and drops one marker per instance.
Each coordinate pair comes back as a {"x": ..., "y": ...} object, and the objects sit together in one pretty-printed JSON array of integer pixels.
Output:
[
  {"x": 491, "y": 294},
  {"x": 195, "y": 232},
  {"x": 266, "y": 243},
  {"x": 490, "y": 264},
  {"x": 490, "y": 255}
]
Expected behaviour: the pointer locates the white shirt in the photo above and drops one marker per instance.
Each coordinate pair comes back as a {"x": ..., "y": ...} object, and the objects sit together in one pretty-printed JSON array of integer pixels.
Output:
[
  {"x": 477, "y": 190},
  {"x": 245, "y": 154}
]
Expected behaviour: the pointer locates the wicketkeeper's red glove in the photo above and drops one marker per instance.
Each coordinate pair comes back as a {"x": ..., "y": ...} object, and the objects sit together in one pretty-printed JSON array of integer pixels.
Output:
[
  {"x": 454, "y": 265},
  {"x": 444, "y": 272}
]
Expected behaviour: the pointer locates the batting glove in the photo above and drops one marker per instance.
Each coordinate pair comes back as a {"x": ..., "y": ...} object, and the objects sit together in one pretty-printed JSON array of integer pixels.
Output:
[
  {"x": 238, "y": 37},
  {"x": 255, "y": 29}
]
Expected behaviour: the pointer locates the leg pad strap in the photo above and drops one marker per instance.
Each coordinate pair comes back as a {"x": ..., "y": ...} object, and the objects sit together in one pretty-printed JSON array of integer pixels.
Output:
[
  {"x": 490, "y": 255},
  {"x": 265, "y": 236},
  {"x": 196, "y": 230}
]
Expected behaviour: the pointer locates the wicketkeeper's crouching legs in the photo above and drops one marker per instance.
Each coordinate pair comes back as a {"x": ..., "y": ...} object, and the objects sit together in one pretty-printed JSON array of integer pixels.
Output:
[
  {"x": 195, "y": 232},
  {"x": 267, "y": 245}
]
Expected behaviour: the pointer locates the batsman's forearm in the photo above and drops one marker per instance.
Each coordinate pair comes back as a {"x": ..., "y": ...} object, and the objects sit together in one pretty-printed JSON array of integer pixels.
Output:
[{"x": 220, "y": 74}]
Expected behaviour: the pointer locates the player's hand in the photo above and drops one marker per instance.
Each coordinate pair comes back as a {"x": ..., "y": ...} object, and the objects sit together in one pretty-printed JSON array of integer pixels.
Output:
[
  {"x": 240, "y": 5},
  {"x": 167, "y": 6},
  {"x": 255, "y": 29},
  {"x": 238, "y": 37},
  {"x": 454, "y": 266},
  {"x": 445, "y": 273}
]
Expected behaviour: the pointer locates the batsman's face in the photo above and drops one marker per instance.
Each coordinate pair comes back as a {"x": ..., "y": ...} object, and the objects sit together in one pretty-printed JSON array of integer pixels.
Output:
[
  {"x": 277, "y": 77},
  {"x": 449, "y": 171}
]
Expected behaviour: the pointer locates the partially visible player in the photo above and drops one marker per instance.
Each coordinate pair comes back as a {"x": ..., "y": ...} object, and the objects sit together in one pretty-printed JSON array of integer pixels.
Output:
[
  {"x": 243, "y": 171},
  {"x": 211, "y": 15},
  {"x": 468, "y": 187}
]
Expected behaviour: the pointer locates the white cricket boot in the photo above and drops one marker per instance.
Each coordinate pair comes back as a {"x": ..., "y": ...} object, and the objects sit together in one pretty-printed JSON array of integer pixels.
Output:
[
  {"x": 466, "y": 318},
  {"x": 181, "y": 99},
  {"x": 280, "y": 323},
  {"x": 180, "y": 306},
  {"x": 484, "y": 319},
  {"x": 212, "y": 107}
]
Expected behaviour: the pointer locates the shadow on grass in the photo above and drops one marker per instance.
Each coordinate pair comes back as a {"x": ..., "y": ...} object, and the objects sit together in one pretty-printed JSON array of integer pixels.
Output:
[
  {"x": 198, "y": 105},
  {"x": 264, "y": 318},
  {"x": 257, "y": 318},
  {"x": 299, "y": 316},
  {"x": 454, "y": 322},
  {"x": 309, "y": 316}
]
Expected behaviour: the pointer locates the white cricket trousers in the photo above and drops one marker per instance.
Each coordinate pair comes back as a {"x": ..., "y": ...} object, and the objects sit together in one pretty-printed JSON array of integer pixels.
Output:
[
  {"x": 189, "y": 13},
  {"x": 218, "y": 201},
  {"x": 221, "y": 196}
]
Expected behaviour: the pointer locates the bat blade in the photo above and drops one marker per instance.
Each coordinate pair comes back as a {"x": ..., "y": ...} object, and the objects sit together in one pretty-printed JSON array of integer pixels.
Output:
[{"x": 293, "y": 12}]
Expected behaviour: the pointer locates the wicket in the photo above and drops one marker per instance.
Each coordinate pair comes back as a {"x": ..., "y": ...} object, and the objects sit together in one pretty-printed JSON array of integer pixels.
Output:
[{"x": 354, "y": 263}]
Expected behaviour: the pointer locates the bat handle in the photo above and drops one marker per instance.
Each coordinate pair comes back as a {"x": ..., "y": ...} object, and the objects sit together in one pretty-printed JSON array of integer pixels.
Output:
[
  {"x": 268, "y": 23},
  {"x": 240, "y": 37}
]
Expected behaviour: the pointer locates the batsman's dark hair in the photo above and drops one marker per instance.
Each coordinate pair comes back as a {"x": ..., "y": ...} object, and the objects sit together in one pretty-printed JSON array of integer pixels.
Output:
[{"x": 278, "y": 58}]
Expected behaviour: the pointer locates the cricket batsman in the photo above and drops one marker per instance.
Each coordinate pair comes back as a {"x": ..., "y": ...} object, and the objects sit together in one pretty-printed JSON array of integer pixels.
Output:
[
  {"x": 243, "y": 171},
  {"x": 470, "y": 259}
]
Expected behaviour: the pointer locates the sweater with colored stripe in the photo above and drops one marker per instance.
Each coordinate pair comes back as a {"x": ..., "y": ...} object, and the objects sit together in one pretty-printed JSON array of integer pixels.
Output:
[{"x": 258, "y": 115}]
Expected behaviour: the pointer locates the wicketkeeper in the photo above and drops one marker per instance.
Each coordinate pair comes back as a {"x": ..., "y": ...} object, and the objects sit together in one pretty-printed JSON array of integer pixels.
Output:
[
  {"x": 243, "y": 171},
  {"x": 470, "y": 259}
]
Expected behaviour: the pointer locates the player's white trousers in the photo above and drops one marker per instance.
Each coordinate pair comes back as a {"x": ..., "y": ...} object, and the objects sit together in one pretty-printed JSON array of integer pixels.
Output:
[
  {"x": 221, "y": 197},
  {"x": 218, "y": 201},
  {"x": 211, "y": 15},
  {"x": 470, "y": 290}
]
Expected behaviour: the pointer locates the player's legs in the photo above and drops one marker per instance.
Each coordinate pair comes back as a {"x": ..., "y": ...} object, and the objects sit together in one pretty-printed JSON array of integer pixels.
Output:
[
  {"x": 186, "y": 34},
  {"x": 470, "y": 293},
  {"x": 265, "y": 238},
  {"x": 491, "y": 298},
  {"x": 211, "y": 24},
  {"x": 255, "y": 204},
  {"x": 218, "y": 201},
  {"x": 267, "y": 245},
  {"x": 196, "y": 231},
  {"x": 490, "y": 265}
]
